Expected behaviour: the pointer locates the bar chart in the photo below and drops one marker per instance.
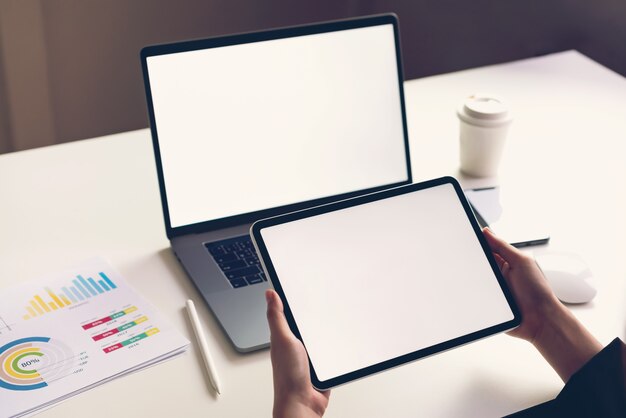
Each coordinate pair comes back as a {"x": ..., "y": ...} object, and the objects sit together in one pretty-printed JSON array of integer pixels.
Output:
[
  {"x": 72, "y": 330},
  {"x": 122, "y": 328},
  {"x": 131, "y": 341},
  {"x": 76, "y": 291}
]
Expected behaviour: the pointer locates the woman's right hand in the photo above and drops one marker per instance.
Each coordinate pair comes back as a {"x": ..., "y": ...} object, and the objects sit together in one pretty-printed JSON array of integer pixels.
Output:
[
  {"x": 530, "y": 288},
  {"x": 560, "y": 338}
]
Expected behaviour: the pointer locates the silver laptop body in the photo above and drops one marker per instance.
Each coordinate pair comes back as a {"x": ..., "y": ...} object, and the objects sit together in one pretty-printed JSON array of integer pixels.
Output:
[{"x": 254, "y": 125}]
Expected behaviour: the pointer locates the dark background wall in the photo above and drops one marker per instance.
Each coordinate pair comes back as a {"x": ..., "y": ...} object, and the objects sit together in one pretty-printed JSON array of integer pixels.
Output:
[{"x": 71, "y": 68}]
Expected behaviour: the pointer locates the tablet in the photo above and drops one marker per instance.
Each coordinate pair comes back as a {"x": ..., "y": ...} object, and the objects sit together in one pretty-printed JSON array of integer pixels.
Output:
[{"x": 377, "y": 281}]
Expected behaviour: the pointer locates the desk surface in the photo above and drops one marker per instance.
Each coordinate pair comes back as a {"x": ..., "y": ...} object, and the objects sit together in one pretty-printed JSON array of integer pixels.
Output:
[{"x": 567, "y": 145}]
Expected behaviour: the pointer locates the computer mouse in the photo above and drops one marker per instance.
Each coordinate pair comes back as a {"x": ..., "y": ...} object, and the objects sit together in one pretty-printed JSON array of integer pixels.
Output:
[{"x": 568, "y": 275}]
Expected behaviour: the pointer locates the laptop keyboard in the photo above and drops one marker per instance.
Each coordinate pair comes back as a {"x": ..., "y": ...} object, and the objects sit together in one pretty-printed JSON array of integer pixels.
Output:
[{"x": 238, "y": 260}]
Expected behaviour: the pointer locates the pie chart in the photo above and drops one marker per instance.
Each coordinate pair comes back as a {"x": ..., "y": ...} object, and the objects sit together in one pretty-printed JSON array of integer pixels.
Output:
[{"x": 34, "y": 362}]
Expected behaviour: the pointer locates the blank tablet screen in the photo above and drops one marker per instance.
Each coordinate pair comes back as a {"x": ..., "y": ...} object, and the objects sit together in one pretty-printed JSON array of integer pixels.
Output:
[{"x": 369, "y": 283}]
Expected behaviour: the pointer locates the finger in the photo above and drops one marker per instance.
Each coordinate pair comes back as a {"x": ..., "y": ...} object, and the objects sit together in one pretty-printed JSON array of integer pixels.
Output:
[
  {"x": 276, "y": 317},
  {"x": 498, "y": 245},
  {"x": 505, "y": 270},
  {"x": 515, "y": 333},
  {"x": 503, "y": 265},
  {"x": 499, "y": 260}
]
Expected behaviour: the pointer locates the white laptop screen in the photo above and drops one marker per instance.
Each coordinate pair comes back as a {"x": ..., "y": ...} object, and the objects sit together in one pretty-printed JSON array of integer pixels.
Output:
[{"x": 248, "y": 127}]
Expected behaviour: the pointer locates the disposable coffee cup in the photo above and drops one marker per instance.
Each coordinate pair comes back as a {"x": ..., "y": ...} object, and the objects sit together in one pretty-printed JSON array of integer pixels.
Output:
[{"x": 484, "y": 123}]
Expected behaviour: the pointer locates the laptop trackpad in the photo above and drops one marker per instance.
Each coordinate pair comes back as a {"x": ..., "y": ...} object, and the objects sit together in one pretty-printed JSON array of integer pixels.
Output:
[{"x": 247, "y": 325}]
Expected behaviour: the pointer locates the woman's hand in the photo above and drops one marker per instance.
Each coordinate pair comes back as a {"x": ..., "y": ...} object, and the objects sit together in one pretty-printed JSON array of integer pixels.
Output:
[
  {"x": 294, "y": 395},
  {"x": 530, "y": 288},
  {"x": 560, "y": 338}
]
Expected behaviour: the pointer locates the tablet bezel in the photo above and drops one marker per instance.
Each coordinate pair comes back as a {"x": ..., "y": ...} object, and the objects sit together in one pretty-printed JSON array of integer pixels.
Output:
[{"x": 257, "y": 239}]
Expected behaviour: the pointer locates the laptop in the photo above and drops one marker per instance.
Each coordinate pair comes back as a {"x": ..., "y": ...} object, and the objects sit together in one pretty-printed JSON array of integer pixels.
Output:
[{"x": 250, "y": 126}]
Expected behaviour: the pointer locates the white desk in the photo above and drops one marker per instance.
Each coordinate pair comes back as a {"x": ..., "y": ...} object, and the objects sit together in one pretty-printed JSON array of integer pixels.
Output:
[{"x": 65, "y": 203}]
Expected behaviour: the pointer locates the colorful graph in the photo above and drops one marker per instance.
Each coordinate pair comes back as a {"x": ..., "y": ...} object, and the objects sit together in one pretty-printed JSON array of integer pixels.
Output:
[
  {"x": 129, "y": 342},
  {"x": 34, "y": 362},
  {"x": 80, "y": 290},
  {"x": 121, "y": 329},
  {"x": 109, "y": 318}
]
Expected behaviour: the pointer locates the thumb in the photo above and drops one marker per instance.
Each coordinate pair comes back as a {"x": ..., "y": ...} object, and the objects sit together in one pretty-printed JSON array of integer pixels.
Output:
[
  {"x": 279, "y": 328},
  {"x": 500, "y": 246}
]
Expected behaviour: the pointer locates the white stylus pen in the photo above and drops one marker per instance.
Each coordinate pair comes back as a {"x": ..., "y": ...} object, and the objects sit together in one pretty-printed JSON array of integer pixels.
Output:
[{"x": 204, "y": 348}]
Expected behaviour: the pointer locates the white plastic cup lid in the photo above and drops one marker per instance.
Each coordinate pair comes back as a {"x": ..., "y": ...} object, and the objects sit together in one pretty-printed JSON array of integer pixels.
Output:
[{"x": 484, "y": 109}]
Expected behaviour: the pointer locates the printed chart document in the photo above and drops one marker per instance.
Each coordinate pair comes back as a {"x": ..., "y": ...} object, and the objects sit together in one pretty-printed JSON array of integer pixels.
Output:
[{"x": 72, "y": 331}]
